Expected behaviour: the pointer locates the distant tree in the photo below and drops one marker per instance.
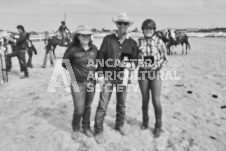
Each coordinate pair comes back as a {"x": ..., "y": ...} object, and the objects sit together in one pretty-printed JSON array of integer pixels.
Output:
[
  {"x": 94, "y": 30},
  {"x": 105, "y": 30}
]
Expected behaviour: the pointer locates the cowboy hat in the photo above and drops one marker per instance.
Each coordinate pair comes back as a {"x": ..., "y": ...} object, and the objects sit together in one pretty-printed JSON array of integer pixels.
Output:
[
  {"x": 123, "y": 17},
  {"x": 84, "y": 30}
]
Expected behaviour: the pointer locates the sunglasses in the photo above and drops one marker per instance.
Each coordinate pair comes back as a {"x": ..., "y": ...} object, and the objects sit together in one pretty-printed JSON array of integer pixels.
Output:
[{"x": 123, "y": 23}]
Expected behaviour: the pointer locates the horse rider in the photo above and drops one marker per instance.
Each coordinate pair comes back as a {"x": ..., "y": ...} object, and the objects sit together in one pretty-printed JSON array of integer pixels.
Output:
[{"x": 62, "y": 30}]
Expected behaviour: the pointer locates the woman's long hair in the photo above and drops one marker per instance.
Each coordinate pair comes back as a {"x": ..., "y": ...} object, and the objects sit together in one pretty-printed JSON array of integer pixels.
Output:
[{"x": 76, "y": 42}]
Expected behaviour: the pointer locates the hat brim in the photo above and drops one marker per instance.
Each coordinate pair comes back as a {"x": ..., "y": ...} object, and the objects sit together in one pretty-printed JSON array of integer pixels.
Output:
[
  {"x": 123, "y": 20},
  {"x": 82, "y": 33},
  {"x": 85, "y": 32}
]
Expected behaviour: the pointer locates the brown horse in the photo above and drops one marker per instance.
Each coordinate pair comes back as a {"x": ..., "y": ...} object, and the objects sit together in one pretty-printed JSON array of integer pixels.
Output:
[
  {"x": 173, "y": 38},
  {"x": 178, "y": 38},
  {"x": 164, "y": 35},
  {"x": 63, "y": 42}
]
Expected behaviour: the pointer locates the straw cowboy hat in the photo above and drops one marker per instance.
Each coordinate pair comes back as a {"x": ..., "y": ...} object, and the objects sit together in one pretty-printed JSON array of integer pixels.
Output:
[
  {"x": 84, "y": 30},
  {"x": 123, "y": 17}
]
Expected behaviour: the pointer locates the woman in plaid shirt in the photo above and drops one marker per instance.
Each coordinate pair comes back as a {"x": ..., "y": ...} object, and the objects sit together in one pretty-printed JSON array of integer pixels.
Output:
[{"x": 152, "y": 53}]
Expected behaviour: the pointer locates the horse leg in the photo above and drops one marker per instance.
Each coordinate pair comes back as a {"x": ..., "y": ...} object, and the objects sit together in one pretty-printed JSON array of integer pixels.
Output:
[
  {"x": 54, "y": 47},
  {"x": 171, "y": 50},
  {"x": 175, "y": 52},
  {"x": 182, "y": 48},
  {"x": 186, "y": 48},
  {"x": 167, "y": 49}
]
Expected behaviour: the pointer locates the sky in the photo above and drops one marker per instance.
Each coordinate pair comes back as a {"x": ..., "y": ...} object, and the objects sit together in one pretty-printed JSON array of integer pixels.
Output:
[{"x": 42, "y": 15}]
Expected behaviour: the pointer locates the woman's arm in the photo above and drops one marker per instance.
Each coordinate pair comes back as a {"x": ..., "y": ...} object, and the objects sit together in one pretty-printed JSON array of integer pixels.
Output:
[{"x": 66, "y": 57}]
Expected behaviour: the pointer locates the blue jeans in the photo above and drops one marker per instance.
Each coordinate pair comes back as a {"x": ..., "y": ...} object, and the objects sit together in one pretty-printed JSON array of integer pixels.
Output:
[
  {"x": 105, "y": 96},
  {"x": 146, "y": 84},
  {"x": 82, "y": 105},
  {"x": 22, "y": 59},
  {"x": 9, "y": 61}
]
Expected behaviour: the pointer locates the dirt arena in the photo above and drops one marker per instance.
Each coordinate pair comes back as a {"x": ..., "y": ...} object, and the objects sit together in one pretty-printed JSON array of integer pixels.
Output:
[{"x": 32, "y": 119}]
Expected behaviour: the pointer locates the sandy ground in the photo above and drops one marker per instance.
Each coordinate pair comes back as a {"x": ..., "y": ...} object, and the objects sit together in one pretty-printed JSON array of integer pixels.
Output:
[{"x": 32, "y": 119}]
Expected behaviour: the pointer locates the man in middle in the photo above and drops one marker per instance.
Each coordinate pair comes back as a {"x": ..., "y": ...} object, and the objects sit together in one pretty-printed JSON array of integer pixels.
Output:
[{"x": 115, "y": 47}]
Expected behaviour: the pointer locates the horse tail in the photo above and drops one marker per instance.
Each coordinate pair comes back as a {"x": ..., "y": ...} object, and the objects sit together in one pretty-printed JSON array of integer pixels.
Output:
[
  {"x": 187, "y": 43},
  {"x": 189, "y": 46}
]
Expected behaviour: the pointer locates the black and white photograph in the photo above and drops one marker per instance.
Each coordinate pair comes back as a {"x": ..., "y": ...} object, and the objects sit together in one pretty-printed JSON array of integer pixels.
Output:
[{"x": 112, "y": 75}]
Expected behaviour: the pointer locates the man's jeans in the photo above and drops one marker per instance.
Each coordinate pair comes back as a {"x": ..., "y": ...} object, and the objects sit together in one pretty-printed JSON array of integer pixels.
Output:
[
  {"x": 22, "y": 58},
  {"x": 9, "y": 61},
  {"x": 82, "y": 105},
  {"x": 105, "y": 96},
  {"x": 51, "y": 57}
]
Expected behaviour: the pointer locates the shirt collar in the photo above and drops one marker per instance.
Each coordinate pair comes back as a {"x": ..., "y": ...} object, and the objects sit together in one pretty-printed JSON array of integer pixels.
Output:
[
  {"x": 154, "y": 37},
  {"x": 127, "y": 35},
  {"x": 146, "y": 42},
  {"x": 91, "y": 47}
]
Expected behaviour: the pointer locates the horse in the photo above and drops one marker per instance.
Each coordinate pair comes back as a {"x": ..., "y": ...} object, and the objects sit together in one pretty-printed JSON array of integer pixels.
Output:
[
  {"x": 164, "y": 35},
  {"x": 177, "y": 38},
  {"x": 60, "y": 41}
]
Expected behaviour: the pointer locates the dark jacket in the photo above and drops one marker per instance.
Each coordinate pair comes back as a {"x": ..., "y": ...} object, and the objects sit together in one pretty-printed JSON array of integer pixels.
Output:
[
  {"x": 112, "y": 50},
  {"x": 79, "y": 59},
  {"x": 31, "y": 48},
  {"x": 63, "y": 28},
  {"x": 48, "y": 44},
  {"x": 21, "y": 42}
]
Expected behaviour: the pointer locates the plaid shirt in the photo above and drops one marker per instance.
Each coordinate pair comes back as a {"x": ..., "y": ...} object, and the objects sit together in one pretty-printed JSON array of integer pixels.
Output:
[{"x": 154, "y": 49}]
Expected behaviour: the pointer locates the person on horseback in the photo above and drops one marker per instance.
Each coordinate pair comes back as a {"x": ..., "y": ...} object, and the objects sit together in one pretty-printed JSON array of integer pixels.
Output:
[
  {"x": 152, "y": 53},
  {"x": 63, "y": 31}
]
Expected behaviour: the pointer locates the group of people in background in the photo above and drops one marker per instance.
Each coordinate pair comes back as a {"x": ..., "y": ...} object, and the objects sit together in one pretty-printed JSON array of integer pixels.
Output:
[
  {"x": 19, "y": 47},
  {"x": 118, "y": 45},
  {"x": 20, "y": 44}
]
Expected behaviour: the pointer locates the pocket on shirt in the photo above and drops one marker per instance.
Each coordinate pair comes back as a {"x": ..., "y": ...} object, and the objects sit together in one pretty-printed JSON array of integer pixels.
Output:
[
  {"x": 79, "y": 54},
  {"x": 92, "y": 53}
]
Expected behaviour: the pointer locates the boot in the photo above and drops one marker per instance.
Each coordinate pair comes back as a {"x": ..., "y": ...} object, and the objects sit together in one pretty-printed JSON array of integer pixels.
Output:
[
  {"x": 75, "y": 135},
  {"x": 23, "y": 77},
  {"x": 122, "y": 130},
  {"x": 99, "y": 137},
  {"x": 157, "y": 132},
  {"x": 144, "y": 126},
  {"x": 88, "y": 133}
]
